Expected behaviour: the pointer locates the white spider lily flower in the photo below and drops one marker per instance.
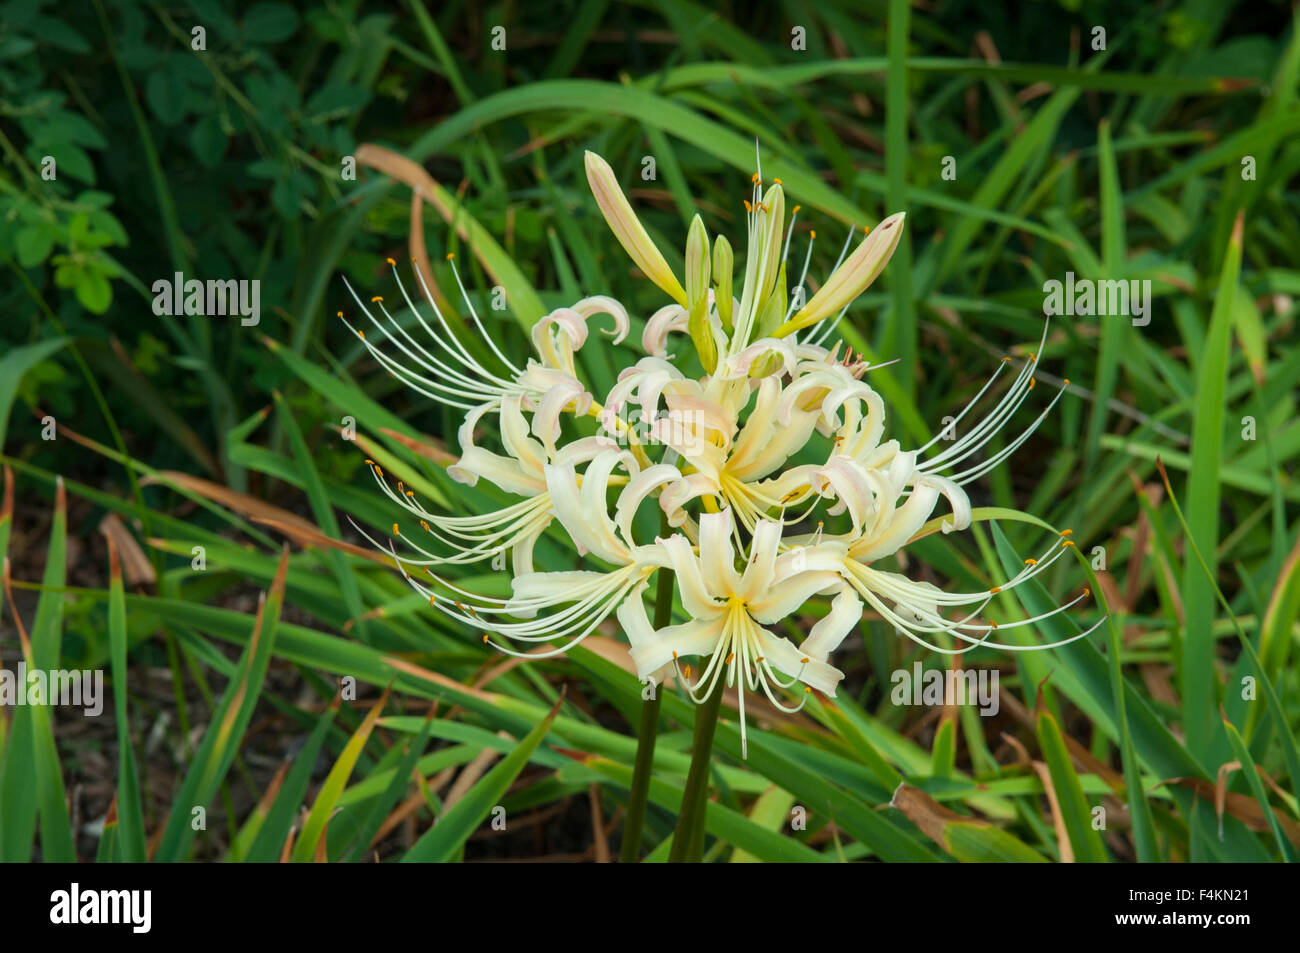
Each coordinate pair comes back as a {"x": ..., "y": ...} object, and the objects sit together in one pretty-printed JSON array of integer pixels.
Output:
[
  {"x": 882, "y": 526},
  {"x": 514, "y": 528},
  {"x": 916, "y": 609},
  {"x": 443, "y": 369},
  {"x": 778, "y": 426},
  {"x": 730, "y": 610},
  {"x": 564, "y": 606}
]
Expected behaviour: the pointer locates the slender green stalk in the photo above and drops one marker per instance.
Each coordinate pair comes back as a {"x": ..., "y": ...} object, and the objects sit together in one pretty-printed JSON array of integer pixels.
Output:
[
  {"x": 648, "y": 731},
  {"x": 645, "y": 756},
  {"x": 687, "y": 845}
]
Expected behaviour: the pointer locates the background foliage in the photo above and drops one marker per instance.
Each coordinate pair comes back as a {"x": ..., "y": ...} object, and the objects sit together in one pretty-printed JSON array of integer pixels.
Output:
[{"x": 179, "y": 432}]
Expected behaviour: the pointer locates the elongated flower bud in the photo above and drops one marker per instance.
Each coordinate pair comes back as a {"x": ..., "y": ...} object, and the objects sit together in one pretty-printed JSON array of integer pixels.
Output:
[
  {"x": 773, "y": 232},
  {"x": 851, "y": 278},
  {"x": 697, "y": 262},
  {"x": 697, "y": 293},
  {"x": 723, "y": 263},
  {"x": 627, "y": 228}
]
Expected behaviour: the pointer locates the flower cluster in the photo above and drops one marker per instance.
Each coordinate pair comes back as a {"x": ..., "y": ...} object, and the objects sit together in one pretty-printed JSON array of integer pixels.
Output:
[{"x": 768, "y": 464}]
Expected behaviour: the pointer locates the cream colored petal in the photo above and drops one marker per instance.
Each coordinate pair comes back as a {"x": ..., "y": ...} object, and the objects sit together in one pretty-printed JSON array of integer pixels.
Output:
[
  {"x": 475, "y": 462},
  {"x": 761, "y": 568},
  {"x": 676, "y": 495},
  {"x": 637, "y": 489},
  {"x": 514, "y": 437},
  {"x": 603, "y": 304},
  {"x": 901, "y": 526},
  {"x": 832, "y": 628},
  {"x": 587, "y": 524},
  {"x": 717, "y": 556},
  {"x": 670, "y": 318},
  {"x": 787, "y": 595},
  {"x": 696, "y": 637},
  {"x": 697, "y": 600}
]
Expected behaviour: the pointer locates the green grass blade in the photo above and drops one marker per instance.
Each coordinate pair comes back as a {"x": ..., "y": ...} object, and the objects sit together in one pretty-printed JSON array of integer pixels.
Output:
[
  {"x": 226, "y": 730},
  {"x": 449, "y": 833},
  {"x": 313, "y": 829},
  {"x": 1199, "y": 682},
  {"x": 130, "y": 813}
]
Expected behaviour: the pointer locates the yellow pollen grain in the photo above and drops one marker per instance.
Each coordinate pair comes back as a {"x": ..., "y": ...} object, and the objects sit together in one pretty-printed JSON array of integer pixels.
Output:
[
  {"x": 396, "y": 531},
  {"x": 1031, "y": 562},
  {"x": 748, "y": 207},
  {"x": 1032, "y": 382},
  {"x": 776, "y": 181},
  {"x": 795, "y": 210},
  {"x": 813, "y": 233},
  {"x": 431, "y": 599},
  {"x": 804, "y": 661},
  {"x": 807, "y": 690},
  {"x": 995, "y": 590},
  {"x": 686, "y": 671},
  {"x": 485, "y": 638},
  {"x": 376, "y": 298},
  {"x": 754, "y": 177},
  {"x": 1066, "y": 532},
  {"x": 450, "y": 256},
  {"x": 1086, "y": 591},
  {"x": 379, "y": 471},
  {"x": 362, "y": 335},
  {"x": 1067, "y": 382},
  {"x": 1067, "y": 542},
  {"x": 992, "y": 623},
  {"x": 730, "y": 658},
  {"x": 391, "y": 262},
  {"x": 370, "y": 463},
  {"x": 340, "y": 314},
  {"x": 758, "y": 660}
]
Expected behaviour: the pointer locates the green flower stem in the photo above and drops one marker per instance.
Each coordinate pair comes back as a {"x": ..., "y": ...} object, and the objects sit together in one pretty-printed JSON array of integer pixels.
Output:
[
  {"x": 645, "y": 756},
  {"x": 688, "y": 841},
  {"x": 648, "y": 732}
]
